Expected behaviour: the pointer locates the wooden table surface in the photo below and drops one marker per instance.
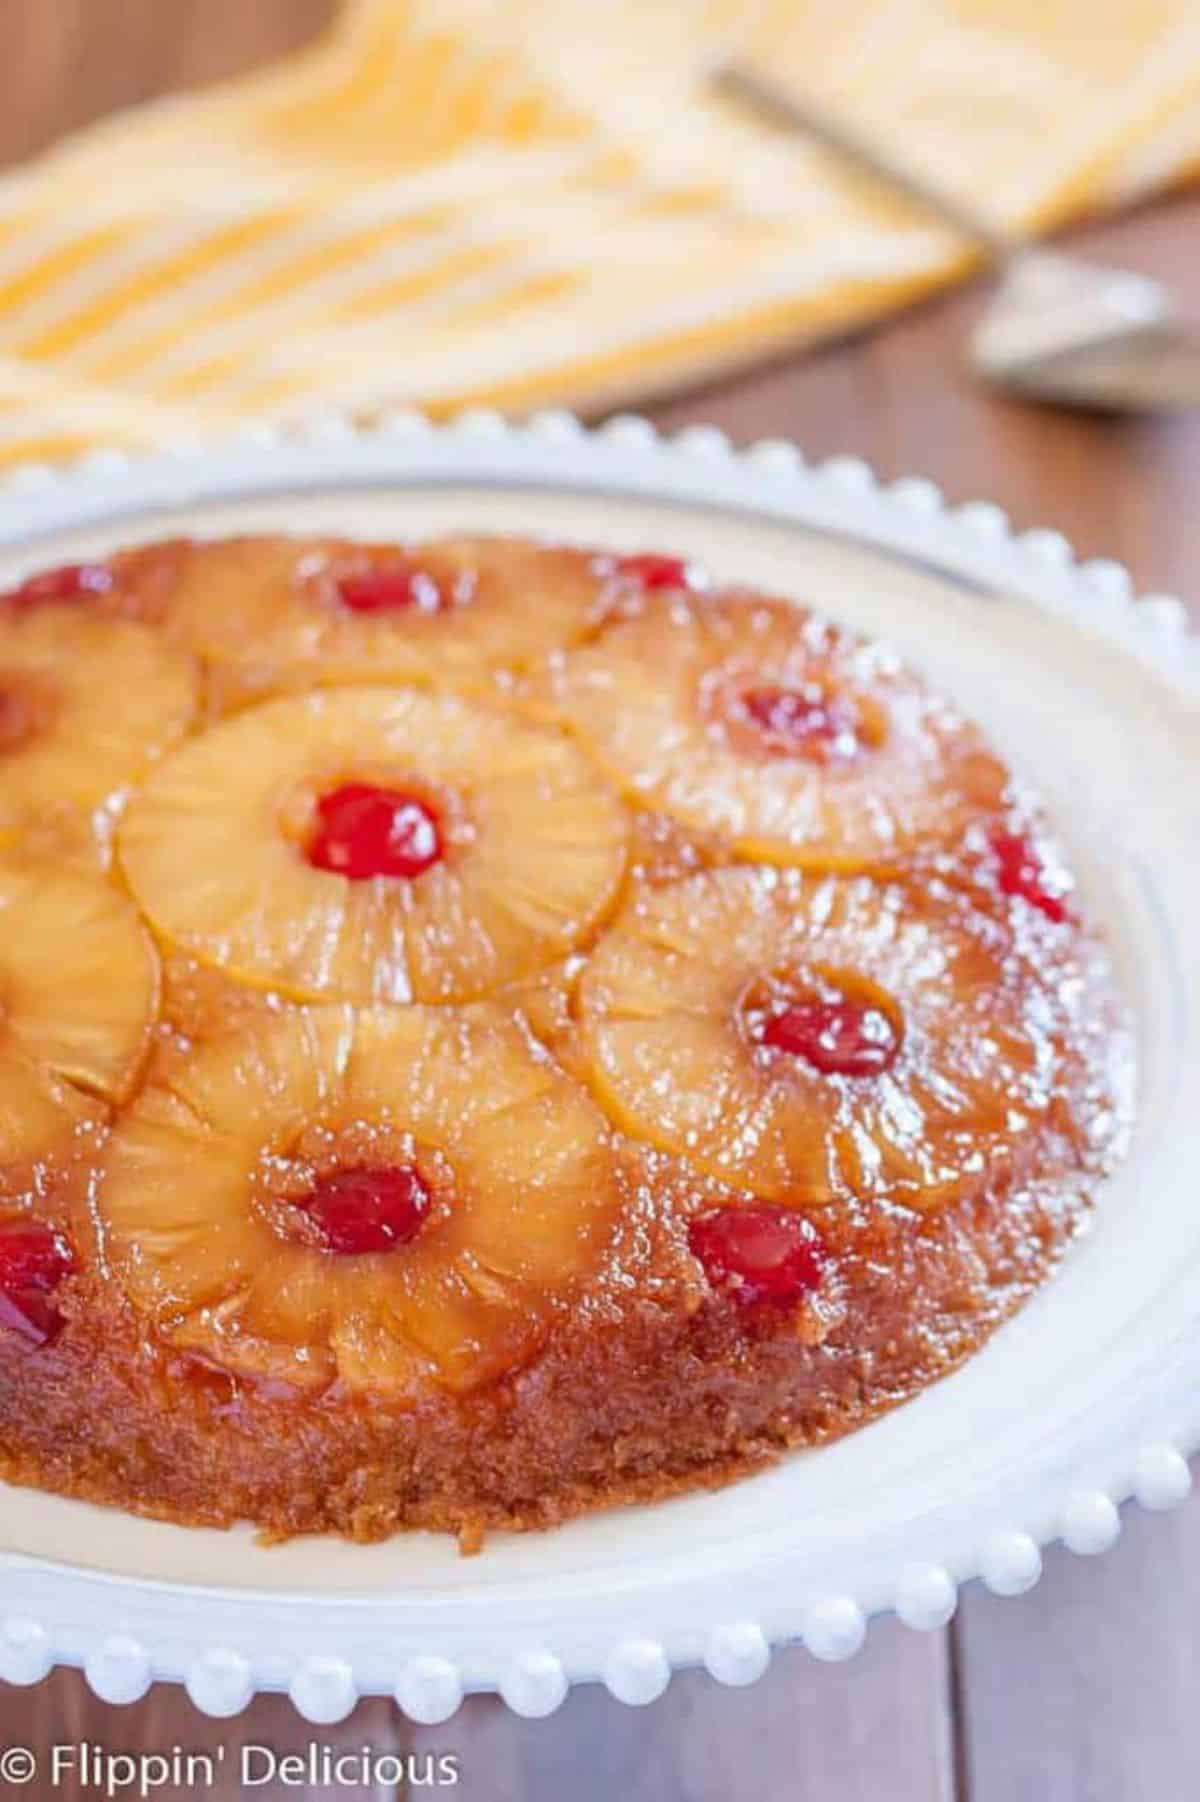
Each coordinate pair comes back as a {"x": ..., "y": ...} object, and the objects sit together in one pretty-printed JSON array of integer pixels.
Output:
[{"x": 1087, "y": 1690}]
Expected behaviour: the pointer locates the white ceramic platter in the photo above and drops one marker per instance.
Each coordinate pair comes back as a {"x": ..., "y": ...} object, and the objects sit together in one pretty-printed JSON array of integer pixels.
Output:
[{"x": 1089, "y": 1395}]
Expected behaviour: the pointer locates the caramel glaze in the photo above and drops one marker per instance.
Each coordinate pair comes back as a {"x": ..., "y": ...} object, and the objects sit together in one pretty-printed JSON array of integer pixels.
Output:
[
  {"x": 651, "y": 1381},
  {"x": 651, "y": 1385}
]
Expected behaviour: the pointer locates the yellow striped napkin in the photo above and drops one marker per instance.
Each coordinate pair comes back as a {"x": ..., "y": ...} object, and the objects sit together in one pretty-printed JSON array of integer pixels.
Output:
[{"x": 517, "y": 202}]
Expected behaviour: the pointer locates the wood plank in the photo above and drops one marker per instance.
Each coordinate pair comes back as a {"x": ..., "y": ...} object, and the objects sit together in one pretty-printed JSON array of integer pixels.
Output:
[
  {"x": 807, "y": 1732},
  {"x": 903, "y": 398},
  {"x": 63, "y": 1711},
  {"x": 69, "y": 61},
  {"x": 880, "y": 1725},
  {"x": 1085, "y": 1690},
  {"x": 1082, "y": 1691}
]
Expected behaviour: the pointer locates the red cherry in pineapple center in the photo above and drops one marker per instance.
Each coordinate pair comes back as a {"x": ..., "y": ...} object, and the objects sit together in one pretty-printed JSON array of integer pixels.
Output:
[
  {"x": 803, "y": 722},
  {"x": 838, "y": 1038},
  {"x": 392, "y": 588},
  {"x": 1021, "y": 872},
  {"x": 365, "y": 831},
  {"x": 69, "y": 582},
  {"x": 364, "y": 1210},
  {"x": 34, "y": 1260},
  {"x": 760, "y": 1253},
  {"x": 652, "y": 571}
]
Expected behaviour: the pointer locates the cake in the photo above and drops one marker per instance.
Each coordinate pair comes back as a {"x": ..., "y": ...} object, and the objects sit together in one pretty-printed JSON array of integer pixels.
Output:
[{"x": 493, "y": 1029}]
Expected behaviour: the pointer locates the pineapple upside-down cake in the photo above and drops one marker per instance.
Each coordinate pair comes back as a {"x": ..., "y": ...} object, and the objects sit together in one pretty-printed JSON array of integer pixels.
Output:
[{"x": 489, "y": 1029}]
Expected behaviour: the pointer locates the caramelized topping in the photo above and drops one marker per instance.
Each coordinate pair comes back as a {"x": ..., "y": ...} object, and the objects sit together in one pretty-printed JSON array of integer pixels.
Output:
[
  {"x": 761, "y": 725},
  {"x": 26, "y": 709},
  {"x": 399, "y": 1197}
]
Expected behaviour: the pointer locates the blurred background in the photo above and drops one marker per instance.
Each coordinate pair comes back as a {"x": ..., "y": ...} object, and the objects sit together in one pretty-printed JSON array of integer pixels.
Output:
[
  {"x": 320, "y": 209},
  {"x": 346, "y": 207}
]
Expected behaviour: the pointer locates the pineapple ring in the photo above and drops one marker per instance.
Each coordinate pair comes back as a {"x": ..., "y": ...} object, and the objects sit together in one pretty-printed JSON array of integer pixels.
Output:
[
  {"x": 534, "y": 850},
  {"x": 266, "y": 612},
  {"x": 78, "y": 999},
  {"x": 659, "y": 697},
  {"x": 86, "y": 702},
  {"x": 675, "y": 1054},
  {"x": 528, "y": 1194}
]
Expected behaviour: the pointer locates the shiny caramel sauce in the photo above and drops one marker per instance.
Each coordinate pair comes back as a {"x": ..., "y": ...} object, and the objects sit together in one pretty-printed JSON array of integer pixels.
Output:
[{"x": 667, "y": 1036}]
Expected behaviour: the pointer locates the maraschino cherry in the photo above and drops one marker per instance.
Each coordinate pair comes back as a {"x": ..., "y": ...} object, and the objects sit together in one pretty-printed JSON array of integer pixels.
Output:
[
  {"x": 760, "y": 1253},
  {"x": 34, "y": 1260},
  {"x": 802, "y": 722},
  {"x": 364, "y": 1210},
  {"x": 69, "y": 582},
  {"x": 363, "y": 831},
  {"x": 651, "y": 570},
  {"x": 392, "y": 588},
  {"x": 1022, "y": 873},
  {"x": 839, "y": 1038}
]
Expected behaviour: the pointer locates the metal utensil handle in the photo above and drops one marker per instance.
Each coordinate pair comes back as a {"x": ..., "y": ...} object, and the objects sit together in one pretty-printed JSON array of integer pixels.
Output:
[
  {"x": 790, "y": 111},
  {"x": 1157, "y": 370}
]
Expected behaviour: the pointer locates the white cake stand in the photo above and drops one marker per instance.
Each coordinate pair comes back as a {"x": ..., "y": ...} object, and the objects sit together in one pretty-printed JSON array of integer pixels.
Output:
[{"x": 1091, "y": 1394}]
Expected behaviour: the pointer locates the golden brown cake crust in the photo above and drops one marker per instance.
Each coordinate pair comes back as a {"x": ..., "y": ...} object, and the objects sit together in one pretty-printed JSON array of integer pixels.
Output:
[
  {"x": 607, "y": 1358},
  {"x": 630, "y": 1400}
]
